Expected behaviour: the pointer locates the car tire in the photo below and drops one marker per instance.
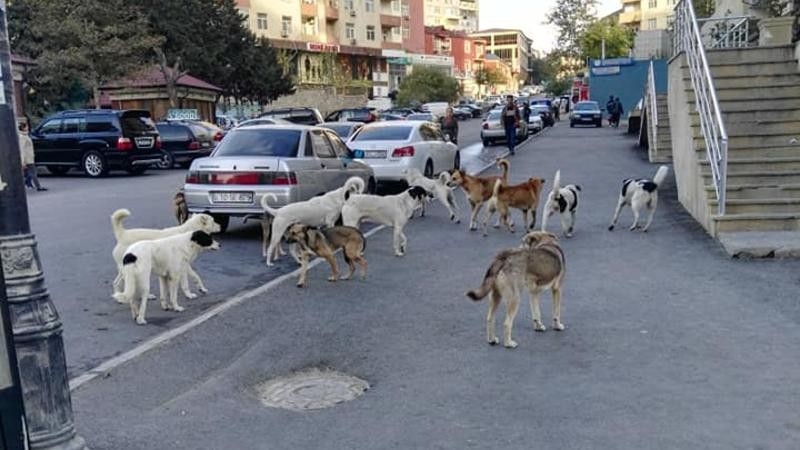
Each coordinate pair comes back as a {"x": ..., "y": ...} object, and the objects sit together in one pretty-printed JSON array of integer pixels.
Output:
[
  {"x": 93, "y": 164},
  {"x": 572, "y": 125},
  {"x": 486, "y": 143},
  {"x": 599, "y": 124},
  {"x": 428, "y": 172},
  {"x": 58, "y": 170},
  {"x": 223, "y": 221},
  {"x": 167, "y": 161},
  {"x": 457, "y": 161}
]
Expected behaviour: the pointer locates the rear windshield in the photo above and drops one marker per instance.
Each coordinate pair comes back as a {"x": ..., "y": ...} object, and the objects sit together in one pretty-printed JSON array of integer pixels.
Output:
[
  {"x": 137, "y": 124},
  {"x": 341, "y": 130},
  {"x": 259, "y": 142},
  {"x": 384, "y": 134},
  {"x": 586, "y": 106},
  {"x": 301, "y": 117},
  {"x": 494, "y": 115},
  {"x": 173, "y": 132}
]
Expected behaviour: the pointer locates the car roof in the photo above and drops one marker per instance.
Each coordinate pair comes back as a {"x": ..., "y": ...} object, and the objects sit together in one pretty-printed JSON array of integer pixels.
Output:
[
  {"x": 98, "y": 112},
  {"x": 281, "y": 126}
]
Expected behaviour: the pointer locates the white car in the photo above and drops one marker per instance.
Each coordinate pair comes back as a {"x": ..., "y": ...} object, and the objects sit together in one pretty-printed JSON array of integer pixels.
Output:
[
  {"x": 391, "y": 147},
  {"x": 535, "y": 123},
  {"x": 492, "y": 129}
]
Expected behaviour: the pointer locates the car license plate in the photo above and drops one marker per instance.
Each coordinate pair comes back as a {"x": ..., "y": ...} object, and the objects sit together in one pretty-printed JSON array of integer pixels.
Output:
[
  {"x": 375, "y": 153},
  {"x": 232, "y": 197},
  {"x": 144, "y": 142},
  {"x": 577, "y": 116},
  {"x": 205, "y": 144}
]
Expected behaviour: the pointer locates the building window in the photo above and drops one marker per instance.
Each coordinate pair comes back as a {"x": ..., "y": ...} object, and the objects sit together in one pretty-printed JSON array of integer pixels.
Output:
[
  {"x": 369, "y": 5},
  {"x": 310, "y": 27},
  {"x": 652, "y": 24},
  {"x": 350, "y": 31},
  {"x": 467, "y": 47},
  {"x": 395, "y": 7},
  {"x": 286, "y": 25},
  {"x": 370, "y": 33},
  {"x": 652, "y": 3},
  {"x": 261, "y": 21},
  {"x": 348, "y": 4}
]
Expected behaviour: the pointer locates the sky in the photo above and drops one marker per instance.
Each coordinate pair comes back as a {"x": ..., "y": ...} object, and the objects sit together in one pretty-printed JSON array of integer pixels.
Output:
[{"x": 529, "y": 16}]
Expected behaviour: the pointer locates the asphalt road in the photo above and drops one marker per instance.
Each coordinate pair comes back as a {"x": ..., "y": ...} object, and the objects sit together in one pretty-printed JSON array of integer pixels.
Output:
[
  {"x": 669, "y": 344},
  {"x": 71, "y": 221}
]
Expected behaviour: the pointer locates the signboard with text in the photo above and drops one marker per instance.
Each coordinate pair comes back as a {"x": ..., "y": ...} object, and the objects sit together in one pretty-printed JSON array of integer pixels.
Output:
[{"x": 182, "y": 114}]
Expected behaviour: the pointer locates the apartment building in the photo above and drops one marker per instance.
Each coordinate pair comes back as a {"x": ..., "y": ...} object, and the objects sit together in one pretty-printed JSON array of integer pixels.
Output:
[
  {"x": 461, "y": 15},
  {"x": 467, "y": 53},
  {"x": 648, "y": 14},
  {"x": 513, "y": 48}
]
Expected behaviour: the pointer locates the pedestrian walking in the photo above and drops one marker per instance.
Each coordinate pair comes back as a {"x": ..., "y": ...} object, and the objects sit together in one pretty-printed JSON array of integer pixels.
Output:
[
  {"x": 611, "y": 107},
  {"x": 557, "y": 111},
  {"x": 450, "y": 125},
  {"x": 511, "y": 122},
  {"x": 618, "y": 111},
  {"x": 526, "y": 112},
  {"x": 28, "y": 159}
]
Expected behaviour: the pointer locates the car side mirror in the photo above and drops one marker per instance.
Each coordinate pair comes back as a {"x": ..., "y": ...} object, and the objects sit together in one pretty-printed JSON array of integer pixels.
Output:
[{"x": 358, "y": 154}]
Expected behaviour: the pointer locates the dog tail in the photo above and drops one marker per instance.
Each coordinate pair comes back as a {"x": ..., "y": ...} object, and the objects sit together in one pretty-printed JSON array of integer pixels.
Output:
[
  {"x": 354, "y": 185},
  {"x": 660, "y": 175},
  {"x": 496, "y": 190},
  {"x": 557, "y": 181},
  {"x": 265, "y": 206},
  {"x": 116, "y": 222},
  {"x": 488, "y": 280},
  {"x": 503, "y": 164},
  {"x": 128, "y": 272}
]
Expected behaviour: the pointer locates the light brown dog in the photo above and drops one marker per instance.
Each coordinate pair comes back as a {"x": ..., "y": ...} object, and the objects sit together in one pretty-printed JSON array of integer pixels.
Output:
[
  {"x": 539, "y": 264},
  {"x": 523, "y": 196},
  {"x": 179, "y": 207},
  {"x": 323, "y": 243},
  {"x": 479, "y": 189}
]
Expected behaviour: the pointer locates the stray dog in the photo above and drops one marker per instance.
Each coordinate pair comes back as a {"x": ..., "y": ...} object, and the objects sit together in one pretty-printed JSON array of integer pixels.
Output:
[
  {"x": 179, "y": 207},
  {"x": 324, "y": 242},
  {"x": 524, "y": 196},
  {"x": 479, "y": 189},
  {"x": 640, "y": 193},
  {"x": 323, "y": 210},
  {"x": 169, "y": 259},
  {"x": 563, "y": 201},
  {"x": 539, "y": 265},
  {"x": 126, "y": 238},
  {"x": 266, "y": 233},
  {"x": 441, "y": 189},
  {"x": 392, "y": 210}
]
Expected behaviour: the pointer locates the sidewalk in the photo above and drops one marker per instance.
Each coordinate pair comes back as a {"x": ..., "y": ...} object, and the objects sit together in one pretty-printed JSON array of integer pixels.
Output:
[{"x": 669, "y": 343}]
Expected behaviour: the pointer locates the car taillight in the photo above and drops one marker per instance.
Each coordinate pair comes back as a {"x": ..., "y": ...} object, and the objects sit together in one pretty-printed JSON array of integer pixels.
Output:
[
  {"x": 194, "y": 145},
  {"x": 157, "y": 143},
  {"x": 485, "y": 126},
  {"x": 371, "y": 117},
  {"x": 124, "y": 144},
  {"x": 403, "y": 152},
  {"x": 193, "y": 177},
  {"x": 242, "y": 178},
  {"x": 218, "y": 136},
  {"x": 285, "y": 179}
]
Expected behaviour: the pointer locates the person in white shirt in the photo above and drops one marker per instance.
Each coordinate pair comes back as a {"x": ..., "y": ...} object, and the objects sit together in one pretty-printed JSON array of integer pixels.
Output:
[{"x": 28, "y": 159}]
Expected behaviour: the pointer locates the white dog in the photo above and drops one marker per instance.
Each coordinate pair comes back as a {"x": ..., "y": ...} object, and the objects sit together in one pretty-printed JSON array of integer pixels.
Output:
[
  {"x": 640, "y": 193},
  {"x": 392, "y": 210},
  {"x": 441, "y": 189},
  {"x": 563, "y": 201},
  {"x": 126, "y": 238},
  {"x": 318, "y": 211},
  {"x": 169, "y": 259}
]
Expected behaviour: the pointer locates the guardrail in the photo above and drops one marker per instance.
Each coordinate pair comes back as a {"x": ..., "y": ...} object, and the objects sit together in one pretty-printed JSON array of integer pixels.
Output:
[
  {"x": 726, "y": 32},
  {"x": 652, "y": 107},
  {"x": 689, "y": 41}
]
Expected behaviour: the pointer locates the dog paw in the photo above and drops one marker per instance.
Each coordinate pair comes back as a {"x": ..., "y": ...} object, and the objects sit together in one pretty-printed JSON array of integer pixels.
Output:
[
  {"x": 165, "y": 306},
  {"x": 119, "y": 299},
  {"x": 497, "y": 225},
  {"x": 611, "y": 228},
  {"x": 494, "y": 341},
  {"x": 301, "y": 285},
  {"x": 458, "y": 221},
  {"x": 569, "y": 235},
  {"x": 558, "y": 326},
  {"x": 510, "y": 344},
  {"x": 179, "y": 308},
  {"x": 140, "y": 321},
  {"x": 332, "y": 279},
  {"x": 151, "y": 297},
  {"x": 190, "y": 295},
  {"x": 203, "y": 290},
  {"x": 539, "y": 326}
]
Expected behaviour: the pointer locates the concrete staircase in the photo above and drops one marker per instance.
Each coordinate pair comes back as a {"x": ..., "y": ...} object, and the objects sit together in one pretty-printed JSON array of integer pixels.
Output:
[
  {"x": 661, "y": 152},
  {"x": 759, "y": 94}
]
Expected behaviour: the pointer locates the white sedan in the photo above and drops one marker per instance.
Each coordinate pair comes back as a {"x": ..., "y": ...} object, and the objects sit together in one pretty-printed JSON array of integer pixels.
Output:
[{"x": 391, "y": 147}]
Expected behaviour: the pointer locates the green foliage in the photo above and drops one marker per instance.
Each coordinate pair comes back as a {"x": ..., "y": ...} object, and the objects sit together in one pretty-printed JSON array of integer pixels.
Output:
[
  {"x": 571, "y": 19},
  {"x": 489, "y": 76},
  {"x": 557, "y": 86},
  {"x": 704, "y": 8},
  {"x": 618, "y": 40},
  {"x": 541, "y": 70},
  {"x": 427, "y": 84}
]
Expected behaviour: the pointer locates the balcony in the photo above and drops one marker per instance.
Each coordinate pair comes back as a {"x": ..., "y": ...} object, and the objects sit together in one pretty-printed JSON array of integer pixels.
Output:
[
  {"x": 390, "y": 21},
  {"x": 332, "y": 11},
  {"x": 469, "y": 6},
  {"x": 630, "y": 17},
  {"x": 308, "y": 8}
]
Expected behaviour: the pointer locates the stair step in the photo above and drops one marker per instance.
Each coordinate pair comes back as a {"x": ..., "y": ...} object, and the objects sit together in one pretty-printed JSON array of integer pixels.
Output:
[
  {"x": 757, "y": 222},
  {"x": 755, "y": 244},
  {"x": 750, "y": 55},
  {"x": 758, "y": 151},
  {"x": 752, "y": 68},
  {"x": 763, "y": 128},
  {"x": 759, "y": 206},
  {"x": 731, "y": 81},
  {"x": 749, "y": 104},
  {"x": 756, "y": 114},
  {"x": 765, "y": 177},
  {"x": 737, "y": 165},
  {"x": 756, "y": 191},
  {"x": 754, "y": 93},
  {"x": 754, "y": 140}
]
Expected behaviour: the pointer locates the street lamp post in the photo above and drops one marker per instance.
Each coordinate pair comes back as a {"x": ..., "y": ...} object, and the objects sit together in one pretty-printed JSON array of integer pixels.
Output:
[{"x": 34, "y": 319}]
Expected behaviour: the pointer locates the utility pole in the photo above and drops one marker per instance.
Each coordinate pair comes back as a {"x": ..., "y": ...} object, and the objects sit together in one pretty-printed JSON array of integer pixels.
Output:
[{"x": 35, "y": 323}]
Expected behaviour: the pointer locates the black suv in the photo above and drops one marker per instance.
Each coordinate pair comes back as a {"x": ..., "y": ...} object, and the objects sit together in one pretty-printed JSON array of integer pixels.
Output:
[
  {"x": 300, "y": 116},
  {"x": 97, "y": 140}
]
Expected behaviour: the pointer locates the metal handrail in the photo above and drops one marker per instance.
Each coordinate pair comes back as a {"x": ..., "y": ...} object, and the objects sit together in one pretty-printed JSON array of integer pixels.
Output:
[
  {"x": 733, "y": 36},
  {"x": 653, "y": 106},
  {"x": 689, "y": 40}
]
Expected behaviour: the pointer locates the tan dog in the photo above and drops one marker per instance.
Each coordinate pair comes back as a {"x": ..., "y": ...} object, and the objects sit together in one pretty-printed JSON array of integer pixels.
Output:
[
  {"x": 266, "y": 234},
  {"x": 523, "y": 196},
  {"x": 479, "y": 189},
  {"x": 323, "y": 243},
  {"x": 539, "y": 264},
  {"x": 180, "y": 208}
]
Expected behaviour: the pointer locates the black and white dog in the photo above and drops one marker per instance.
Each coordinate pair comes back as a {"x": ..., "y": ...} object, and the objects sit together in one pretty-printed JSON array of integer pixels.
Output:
[
  {"x": 640, "y": 193},
  {"x": 564, "y": 201}
]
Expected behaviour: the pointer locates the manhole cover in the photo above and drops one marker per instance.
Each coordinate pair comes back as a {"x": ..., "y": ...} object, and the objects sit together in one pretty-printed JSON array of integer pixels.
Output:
[{"x": 311, "y": 389}]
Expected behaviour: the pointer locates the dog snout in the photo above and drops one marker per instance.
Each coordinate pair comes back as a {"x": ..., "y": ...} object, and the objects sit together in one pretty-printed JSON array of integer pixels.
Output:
[{"x": 215, "y": 245}]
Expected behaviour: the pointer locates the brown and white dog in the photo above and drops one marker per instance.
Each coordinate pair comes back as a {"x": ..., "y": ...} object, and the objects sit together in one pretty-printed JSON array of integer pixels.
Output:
[
  {"x": 523, "y": 196},
  {"x": 324, "y": 243},
  {"x": 479, "y": 189}
]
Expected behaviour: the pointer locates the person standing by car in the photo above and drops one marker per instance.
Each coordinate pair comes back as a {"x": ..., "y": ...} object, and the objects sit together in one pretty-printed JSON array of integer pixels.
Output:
[
  {"x": 510, "y": 122},
  {"x": 618, "y": 112},
  {"x": 450, "y": 125},
  {"x": 28, "y": 159},
  {"x": 526, "y": 111},
  {"x": 611, "y": 107},
  {"x": 557, "y": 111}
]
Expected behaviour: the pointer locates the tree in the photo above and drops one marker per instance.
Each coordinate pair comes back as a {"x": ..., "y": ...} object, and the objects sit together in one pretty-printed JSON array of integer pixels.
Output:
[
  {"x": 571, "y": 19},
  {"x": 489, "y": 76},
  {"x": 426, "y": 84},
  {"x": 618, "y": 40}
]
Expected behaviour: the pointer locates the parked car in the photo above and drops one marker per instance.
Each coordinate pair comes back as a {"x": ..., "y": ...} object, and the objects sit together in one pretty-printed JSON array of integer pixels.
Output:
[
  {"x": 386, "y": 117},
  {"x": 392, "y": 147},
  {"x": 398, "y": 111},
  {"x": 343, "y": 129},
  {"x": 263, "y": 121},
  {"x": 461, "y": 113},
  {"x": 365, "y": 115},
  {"x": 421, "y": 116},
  {"x": 545, "y": 113},
  {"x": 302, "y": 116},
  {"x": 97, "y": 141},
  {"x": 492, "y": 129},
  {"x": 476, "y": 110},
  {"x": 535, "y": 123},
  {"x": 293, "y": 162},
  {"x": 586, "y": 112},
  {"x": 181, "y": 145},
  {"x": 436, "y": 108}
]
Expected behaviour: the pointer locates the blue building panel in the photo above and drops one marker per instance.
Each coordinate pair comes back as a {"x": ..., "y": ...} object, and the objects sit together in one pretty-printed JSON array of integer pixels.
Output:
[{"x": 625, "y": 79}]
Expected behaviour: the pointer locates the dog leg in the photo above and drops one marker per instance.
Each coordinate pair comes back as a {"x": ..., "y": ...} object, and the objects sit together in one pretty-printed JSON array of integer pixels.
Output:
[
  {"x": 614, "y": 219},
  {"x": 450, "y": 202},
  {"x": 334, "y": 267},
  {"x": 293, "y": 252},
  {"x": 635, "y": 206},
  {"x": 533, "y": 219},
  {"x": 490, "y": 210},
  {"x": 118, "y": 287},
  {"x": 301, "y": 279},
  {"x": 557, "y": 325},
  {"x": 652, "y": 208},
  {"x": 494, "y": 302},
  {"x": 173, "y": 281},
  {"x": 363, "y": 263},
  {"x": 512, "y": 306},
  {"x": 162, "y": 293},
  {"x": 566, "y": 223},
  {"x": 200, "y": 286},
  {"x": 473, "y": 215},
  {"x": 141, "y": 314},
  {"x": 536, "y": 312}
]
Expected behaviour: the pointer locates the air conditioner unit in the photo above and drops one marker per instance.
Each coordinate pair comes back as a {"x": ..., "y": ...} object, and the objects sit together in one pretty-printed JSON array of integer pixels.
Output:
[
  {"x": 352, "y": 13},
  {"x": 353, "y": 42}
]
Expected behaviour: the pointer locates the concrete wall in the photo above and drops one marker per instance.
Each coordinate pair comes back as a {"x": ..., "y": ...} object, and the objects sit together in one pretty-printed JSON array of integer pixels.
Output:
[
  {"x": 628, "y": 84},
  {"x": 691, "y": 189},
  {"x": 324, "y": 99}
]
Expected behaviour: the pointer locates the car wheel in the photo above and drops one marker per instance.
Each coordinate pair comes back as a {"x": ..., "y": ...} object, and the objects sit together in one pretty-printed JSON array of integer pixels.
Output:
[
  {"x": 486, "y": 143},
  {"x": 457, "y": 162},
  {"x": 428, "y": 169},
  {"x": 572, "y": 125},
  {"x": 599, "y": 124},
  {"x": 223, "y": 221},
  {"x": 167, "y": 161},
  {"x": 58, "y": 170},
  {"x": 94, "y": 164}
]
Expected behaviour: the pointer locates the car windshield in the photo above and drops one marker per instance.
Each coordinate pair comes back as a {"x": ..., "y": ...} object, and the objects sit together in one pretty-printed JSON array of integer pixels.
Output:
[
  {"x": 384, "y": 134},
  {"x": 493, "y": 115},
  {"x": 138, "y": 123},
  {"x": 341, "y": 130},
  {"x": 420, "y": 117},
  {"x": 540, "y": 108},
  {"x": 259, "y": 142},
  {"x": 588, "y": 106}
]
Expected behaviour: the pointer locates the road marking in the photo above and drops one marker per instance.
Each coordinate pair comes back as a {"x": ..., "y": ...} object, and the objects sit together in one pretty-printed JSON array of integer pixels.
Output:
[{"x": 166, "y": 336}]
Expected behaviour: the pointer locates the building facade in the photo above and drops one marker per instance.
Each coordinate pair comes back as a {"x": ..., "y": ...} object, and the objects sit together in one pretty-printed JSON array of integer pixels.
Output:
[
  {"x": 460, "y": 15},
  {"x": 513, "y": 48},
  {"x": 467, "y": 53},
  {"x": 648, "y": 14}
]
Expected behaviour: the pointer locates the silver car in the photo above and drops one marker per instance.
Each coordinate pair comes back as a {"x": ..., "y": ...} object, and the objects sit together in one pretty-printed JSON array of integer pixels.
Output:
[
  {"x": 492, "y": 128},
  {"x": 293, "y": 162}
]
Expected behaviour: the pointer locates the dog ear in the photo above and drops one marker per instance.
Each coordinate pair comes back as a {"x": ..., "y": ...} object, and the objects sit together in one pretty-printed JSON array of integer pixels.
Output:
[
  {"x": 202, "y": 238},
  {"x": 552, "y": 236}
]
